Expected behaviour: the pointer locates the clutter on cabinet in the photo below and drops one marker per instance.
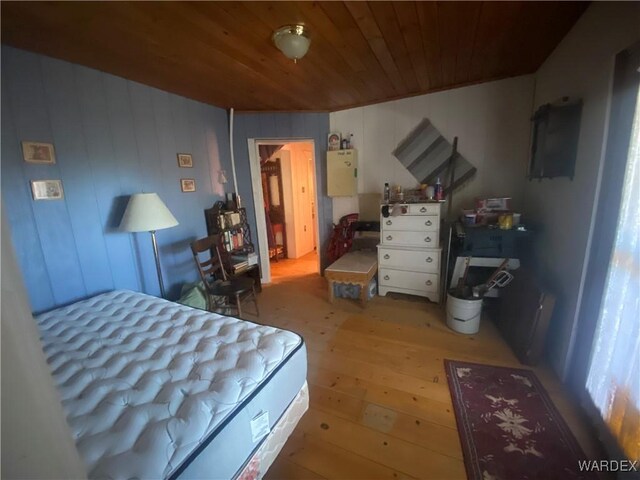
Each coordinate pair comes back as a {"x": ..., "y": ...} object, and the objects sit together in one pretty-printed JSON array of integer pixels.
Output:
[
  {"x": 333, "y": 141},
  {"x": 494, "y": 212},
  {"x": 422, "y": 194}
]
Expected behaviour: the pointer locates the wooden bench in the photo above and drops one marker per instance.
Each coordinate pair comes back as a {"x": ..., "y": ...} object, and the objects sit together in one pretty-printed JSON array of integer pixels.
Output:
[{"x": 355, "y": 268}]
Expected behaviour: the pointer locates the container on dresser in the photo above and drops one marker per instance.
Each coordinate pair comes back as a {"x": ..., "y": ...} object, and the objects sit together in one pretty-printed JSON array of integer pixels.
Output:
[{"x": 409, "y": 251}]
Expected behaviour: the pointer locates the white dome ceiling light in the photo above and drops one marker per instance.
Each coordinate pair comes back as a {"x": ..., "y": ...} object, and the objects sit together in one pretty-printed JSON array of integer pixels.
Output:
[{"x": 293, "y": 41}]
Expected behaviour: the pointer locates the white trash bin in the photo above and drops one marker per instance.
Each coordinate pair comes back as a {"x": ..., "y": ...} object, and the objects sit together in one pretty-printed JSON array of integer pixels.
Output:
[{"x": 463, "y": 315}]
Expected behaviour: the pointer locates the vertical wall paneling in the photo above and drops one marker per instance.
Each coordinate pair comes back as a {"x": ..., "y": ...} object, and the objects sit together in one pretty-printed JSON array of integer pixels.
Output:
[
  {"x": 151, "y": 181},
  {"x": 32, "y": 121},
  {"x": 169, "y": 182},
  {"x": 96, "y": 176},
  {"x": 491, "y": 121},
  {"x": 73, "y": 163},
  {"x": 113, "y": 138},
  {"x": 20, "y": 214},
  {"x": 313, "y": 126},
  {"x": 127, "y": 166}
]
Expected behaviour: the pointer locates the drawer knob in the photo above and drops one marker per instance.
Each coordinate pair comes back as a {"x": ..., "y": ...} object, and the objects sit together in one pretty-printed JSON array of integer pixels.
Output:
[
  {"x": 428, "y": 223},
  {"x": 389, "y": 222},
  {"x": 389, "y": 237},
  {"x": 429, "y": 259},
  {"x": 429, "y": 283},
  {"x": 386, "y": 277},
  {"x": 423, "y": 209},
  {"x": 387, "y": 257},
  {"x": 427, "y": 239}
]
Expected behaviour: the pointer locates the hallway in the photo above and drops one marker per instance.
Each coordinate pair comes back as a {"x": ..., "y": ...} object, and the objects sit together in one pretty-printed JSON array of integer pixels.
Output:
[{"x": 290, "y": 268}]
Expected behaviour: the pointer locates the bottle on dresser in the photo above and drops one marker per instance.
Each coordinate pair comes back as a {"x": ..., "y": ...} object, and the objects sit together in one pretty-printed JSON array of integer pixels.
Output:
[{"x": 438, "y": 191}]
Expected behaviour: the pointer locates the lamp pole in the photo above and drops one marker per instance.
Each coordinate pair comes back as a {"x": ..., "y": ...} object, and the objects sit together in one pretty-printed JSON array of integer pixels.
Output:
[
  {"x": 145, "y": 212},
  {"x": 155, "y": 253}
]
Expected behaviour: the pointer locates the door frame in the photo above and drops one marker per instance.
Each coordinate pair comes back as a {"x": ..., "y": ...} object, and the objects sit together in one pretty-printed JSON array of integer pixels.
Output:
[{"x": 258, "y": 198}]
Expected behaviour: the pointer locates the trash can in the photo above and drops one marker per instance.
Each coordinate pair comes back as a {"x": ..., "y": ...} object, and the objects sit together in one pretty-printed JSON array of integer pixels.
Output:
[{"x": 463, "y": 314}]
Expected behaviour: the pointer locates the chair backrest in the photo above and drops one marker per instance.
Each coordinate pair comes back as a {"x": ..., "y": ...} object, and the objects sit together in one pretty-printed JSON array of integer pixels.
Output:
[{"x": 206, "y": 254}]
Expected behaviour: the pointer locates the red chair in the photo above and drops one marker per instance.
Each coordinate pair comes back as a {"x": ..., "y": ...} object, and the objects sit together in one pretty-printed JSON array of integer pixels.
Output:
[{"x": 342, "y": 237}]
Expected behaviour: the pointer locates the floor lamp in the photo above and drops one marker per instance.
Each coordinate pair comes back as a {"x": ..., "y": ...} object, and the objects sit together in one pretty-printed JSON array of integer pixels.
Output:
[{"x": 147, "y": 213}]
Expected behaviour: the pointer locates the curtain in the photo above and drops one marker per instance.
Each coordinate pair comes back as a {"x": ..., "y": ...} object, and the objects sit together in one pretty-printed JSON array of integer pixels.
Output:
[{"x": 613, "y": 381}]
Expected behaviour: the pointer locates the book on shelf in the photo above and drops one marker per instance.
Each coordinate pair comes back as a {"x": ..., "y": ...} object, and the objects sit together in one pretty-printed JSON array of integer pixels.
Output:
[
  {"x": 239, "y": 263},
  {"x": 233, "y": 240}
]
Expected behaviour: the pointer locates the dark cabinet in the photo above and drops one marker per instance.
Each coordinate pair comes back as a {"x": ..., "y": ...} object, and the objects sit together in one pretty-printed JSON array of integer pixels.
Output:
[{"x": 554, "y": 143}]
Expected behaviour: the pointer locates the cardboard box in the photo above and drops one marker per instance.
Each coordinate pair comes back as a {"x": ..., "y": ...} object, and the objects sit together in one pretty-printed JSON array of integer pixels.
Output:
[{"x": 493, "y": 204}]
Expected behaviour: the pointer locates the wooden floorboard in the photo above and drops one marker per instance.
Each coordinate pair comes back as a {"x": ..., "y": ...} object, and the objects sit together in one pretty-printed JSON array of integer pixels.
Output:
[{"x": 380, "y": 405}]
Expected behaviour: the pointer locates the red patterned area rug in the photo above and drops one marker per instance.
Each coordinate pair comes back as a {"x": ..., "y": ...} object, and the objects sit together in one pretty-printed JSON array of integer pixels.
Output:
[{"x": 508, "y": 426}]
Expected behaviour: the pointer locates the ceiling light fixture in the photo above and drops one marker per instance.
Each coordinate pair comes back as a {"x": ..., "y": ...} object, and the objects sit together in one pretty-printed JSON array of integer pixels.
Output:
[{"x": 293, "y": 41}]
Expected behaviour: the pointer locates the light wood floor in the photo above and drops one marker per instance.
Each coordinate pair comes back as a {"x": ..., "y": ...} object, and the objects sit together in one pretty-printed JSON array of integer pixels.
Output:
[
  {"x": 379, "y": 402},
  {"x": 290, "y": 268}
]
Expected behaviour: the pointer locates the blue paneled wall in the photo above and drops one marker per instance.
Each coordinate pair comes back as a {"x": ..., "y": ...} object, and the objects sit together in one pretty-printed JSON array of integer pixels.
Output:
[
  {"x": 112, "y": 137},
  {"x": 313, "y": 126}
]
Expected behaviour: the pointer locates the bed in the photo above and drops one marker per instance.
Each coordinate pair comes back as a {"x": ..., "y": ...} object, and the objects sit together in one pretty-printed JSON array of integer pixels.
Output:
[{"x": 154, "y": 389}]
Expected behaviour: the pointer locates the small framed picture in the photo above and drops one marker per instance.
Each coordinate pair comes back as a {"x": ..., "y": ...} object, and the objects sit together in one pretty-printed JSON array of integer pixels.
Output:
[
  {"x": 188, "y": 184},
  {"x": 185, "y": 160},
  {"x": 37, "y": 152},
  {"x": 47, "y": 189},
  {"x": 333, "y": 141}
]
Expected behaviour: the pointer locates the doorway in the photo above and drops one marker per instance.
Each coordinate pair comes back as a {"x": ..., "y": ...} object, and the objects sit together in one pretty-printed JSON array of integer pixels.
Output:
[{"x": 285, "y": 200}]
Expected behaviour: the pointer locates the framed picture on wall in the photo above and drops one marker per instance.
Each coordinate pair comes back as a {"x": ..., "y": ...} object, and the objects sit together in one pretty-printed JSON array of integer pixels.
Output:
[
  {"x": 185, "y": 160},
  {"x": 47, "y": 189},
  {"x": 188, "y": 184},
  {"x": 38, "y": 152}
]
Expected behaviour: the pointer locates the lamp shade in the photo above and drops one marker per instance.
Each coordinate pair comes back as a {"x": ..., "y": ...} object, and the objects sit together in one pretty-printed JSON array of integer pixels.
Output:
[{"x": 145, "y": 213}]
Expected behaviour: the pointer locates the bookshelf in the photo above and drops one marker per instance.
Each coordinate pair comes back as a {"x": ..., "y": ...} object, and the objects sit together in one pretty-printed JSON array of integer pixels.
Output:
[{"x": 235, "y": 240}]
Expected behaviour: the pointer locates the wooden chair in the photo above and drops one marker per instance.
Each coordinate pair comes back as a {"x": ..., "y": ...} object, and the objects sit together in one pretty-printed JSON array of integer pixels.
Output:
[{"x": 211, "y": 269}]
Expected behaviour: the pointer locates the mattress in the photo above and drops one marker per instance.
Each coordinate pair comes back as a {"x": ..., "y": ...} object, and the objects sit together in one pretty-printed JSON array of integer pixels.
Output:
[{"x": 154, "y": 389}]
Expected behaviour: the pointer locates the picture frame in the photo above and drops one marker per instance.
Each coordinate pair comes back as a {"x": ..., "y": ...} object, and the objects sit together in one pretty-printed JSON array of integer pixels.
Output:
[
  {"x": 38, "y": 152},
  {"x": 185, "y": 160},
  {"x": 333, "y": 141},
  {"x": 47, "y": 189},
  {"x": 188, "y": 185}
]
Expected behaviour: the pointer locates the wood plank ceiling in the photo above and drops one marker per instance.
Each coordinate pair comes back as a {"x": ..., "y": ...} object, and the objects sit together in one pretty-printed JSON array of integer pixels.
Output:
[{"x": 221, "y": 53}]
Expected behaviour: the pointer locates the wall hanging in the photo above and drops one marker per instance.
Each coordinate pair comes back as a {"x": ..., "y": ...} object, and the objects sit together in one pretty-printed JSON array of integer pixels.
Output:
[
  {"x": 188, "y": 184},
  {"x": 38, "y": 152},
  {"x": 47, "y": 189},
  {"x": 185, "y": 160}
]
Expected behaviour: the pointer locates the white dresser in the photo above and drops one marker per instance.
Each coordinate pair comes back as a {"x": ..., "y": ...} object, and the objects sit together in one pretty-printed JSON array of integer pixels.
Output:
[{"x": 409, "y": 251}]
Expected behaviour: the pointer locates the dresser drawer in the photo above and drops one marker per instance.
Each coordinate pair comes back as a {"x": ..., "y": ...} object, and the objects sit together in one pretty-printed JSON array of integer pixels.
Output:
[
  {"x": 424, "y": 209},
  {"x": 427, "y": 261},
  {"x": 410, "y": 280},
  {"x": 410, "y": 239},
  {"x": 415, "y": 223}
]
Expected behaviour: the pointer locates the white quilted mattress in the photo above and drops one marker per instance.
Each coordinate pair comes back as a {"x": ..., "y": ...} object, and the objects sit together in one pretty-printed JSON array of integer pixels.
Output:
[{"x": 146, "y": 382}]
